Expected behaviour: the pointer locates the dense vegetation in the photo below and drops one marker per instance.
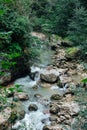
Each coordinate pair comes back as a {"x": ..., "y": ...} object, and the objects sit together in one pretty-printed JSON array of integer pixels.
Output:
[{"x": 66, "y": 18}]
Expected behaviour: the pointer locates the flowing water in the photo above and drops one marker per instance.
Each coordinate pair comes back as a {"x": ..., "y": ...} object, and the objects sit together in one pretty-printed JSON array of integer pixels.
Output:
[
  {"x": 37, "y": 119},
  {"x": 38, "y": 95}
]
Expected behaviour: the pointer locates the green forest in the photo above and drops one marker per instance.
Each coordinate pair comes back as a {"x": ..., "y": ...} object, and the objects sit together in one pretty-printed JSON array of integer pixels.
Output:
[{"x": 29, "y": 29}]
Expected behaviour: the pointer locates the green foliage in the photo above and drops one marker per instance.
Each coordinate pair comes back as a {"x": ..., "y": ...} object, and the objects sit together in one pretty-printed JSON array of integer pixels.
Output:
[
  {"x": 4, "y": 100},
  {"x": 2, "y": 73},
  {"x": 64, "y": 11},
  {"x": 18, "y": 18},
  {"x": 1, "y": 12},
  {"x": 5, "y": 40},
  {"x": 8, "y": 60},
  {"x": 78, "y": 29},
  {"x": 16, "y": 88},
  {"x": 72, "y": 52},
  {"x": 78, "y": 26},
  {"x": 84, "y": 80}
]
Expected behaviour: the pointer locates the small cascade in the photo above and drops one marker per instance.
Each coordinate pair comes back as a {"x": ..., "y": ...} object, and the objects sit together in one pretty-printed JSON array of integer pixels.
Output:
[
  {"x": 32, "y": 120},
  {"x": 59, "y": 90},
  {"x": 25, "y": 81}
]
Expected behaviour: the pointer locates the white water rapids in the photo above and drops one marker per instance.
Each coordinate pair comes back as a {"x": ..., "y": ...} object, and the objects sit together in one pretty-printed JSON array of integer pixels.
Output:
[{"x": 32, "y": 120}]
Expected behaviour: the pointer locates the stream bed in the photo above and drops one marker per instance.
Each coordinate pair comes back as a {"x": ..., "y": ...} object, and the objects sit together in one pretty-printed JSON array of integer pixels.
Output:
[
  {"x": 35, "y": 120},
  {"x": 40, "y": 95}
]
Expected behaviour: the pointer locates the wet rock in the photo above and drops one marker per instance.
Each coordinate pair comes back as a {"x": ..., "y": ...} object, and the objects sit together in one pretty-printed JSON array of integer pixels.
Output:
[
  {"x": 5, "y": 119},
  {"x": 50, "y": 78},
  {"x": 44, "y": 121},
  {"x": 34, "y": 75},
  {"x": 21, "y": 96},
  {"x": 35, "y": 87},
  {"x": 45, "y": 85},
  {"x": 37, "y": 95},
  {"x": 21, "y": 114},
  {"x": 56, "y": 97},
  {"x": 32, "y": 107},
  {"x": 6, "y": 78}
]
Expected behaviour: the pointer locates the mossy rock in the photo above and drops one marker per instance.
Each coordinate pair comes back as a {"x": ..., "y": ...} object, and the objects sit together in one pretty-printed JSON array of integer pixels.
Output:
[
  {"x": 56, "y": 97},
  {"x": 72, "y": 52},
  {"x": 13, "y": 117},
  {"x": 59, "y": 84}
]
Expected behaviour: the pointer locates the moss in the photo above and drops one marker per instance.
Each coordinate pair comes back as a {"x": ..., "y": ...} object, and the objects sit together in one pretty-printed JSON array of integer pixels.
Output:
[
  {"x": 56, "y": 97},
  {"x": 72, "y": 52}
]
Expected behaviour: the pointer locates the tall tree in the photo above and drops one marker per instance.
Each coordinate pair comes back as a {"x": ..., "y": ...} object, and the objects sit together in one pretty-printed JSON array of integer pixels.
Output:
[
  {"x": 62, "y": 15},
  {"x": 78, "y": 26}
]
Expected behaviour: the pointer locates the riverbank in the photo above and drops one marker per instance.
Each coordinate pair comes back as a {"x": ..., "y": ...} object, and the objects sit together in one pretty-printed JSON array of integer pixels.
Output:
[{"x": 48, "y": 97}]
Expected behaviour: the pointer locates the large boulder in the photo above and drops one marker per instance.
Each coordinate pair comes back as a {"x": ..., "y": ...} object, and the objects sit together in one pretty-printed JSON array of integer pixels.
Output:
[
  {"x": 21, "y": 96},
  {"x": 50, "y": 78}
]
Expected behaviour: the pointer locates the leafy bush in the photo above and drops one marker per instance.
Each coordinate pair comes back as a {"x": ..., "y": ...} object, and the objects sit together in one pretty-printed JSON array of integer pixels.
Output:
[
  {"x": 4, "y": 100},
  {"x": 84, "y": 80}
]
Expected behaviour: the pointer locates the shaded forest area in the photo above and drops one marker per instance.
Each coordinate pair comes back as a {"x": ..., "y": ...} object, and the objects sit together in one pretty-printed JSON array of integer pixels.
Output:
[{"x": 66, "y": 18}]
